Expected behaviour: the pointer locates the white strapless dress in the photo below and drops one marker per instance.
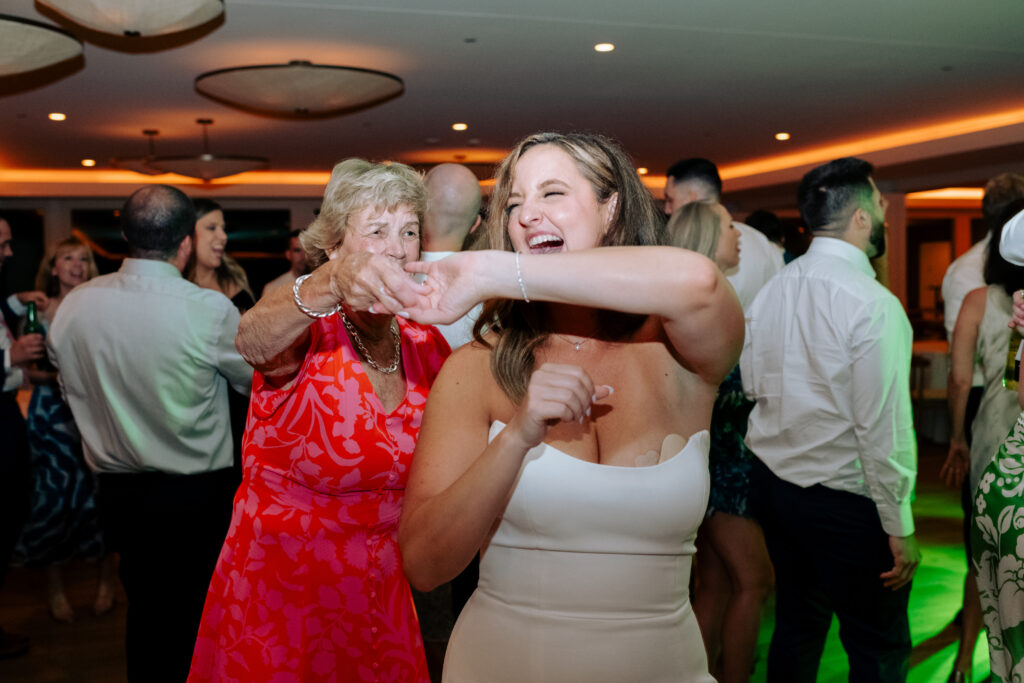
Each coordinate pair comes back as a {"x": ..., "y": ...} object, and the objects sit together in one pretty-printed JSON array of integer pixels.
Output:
[{"x": 586, "y": 578}]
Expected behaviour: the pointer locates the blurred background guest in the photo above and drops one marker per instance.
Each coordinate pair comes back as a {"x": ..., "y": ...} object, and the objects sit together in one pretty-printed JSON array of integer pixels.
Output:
[
  {"x": 210, "y": 266},
  {"x": 337, "y": 402},
  {"x": 14, "y": 450},
  {"x": 145, "y": 358},
  {"x": 63, "y": 521},
  {"x": 697, "y": 179},
  {"x": 296, "y": 256},
  {"x": 732, "y": 570}
]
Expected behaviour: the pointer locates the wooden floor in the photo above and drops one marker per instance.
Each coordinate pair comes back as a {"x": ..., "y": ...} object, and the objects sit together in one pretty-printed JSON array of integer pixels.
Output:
[{"x": 91, "y": 649}]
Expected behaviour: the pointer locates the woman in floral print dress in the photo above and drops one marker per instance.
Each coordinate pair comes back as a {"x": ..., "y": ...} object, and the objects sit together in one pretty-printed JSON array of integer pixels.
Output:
[{"x": 309, "y": 585}]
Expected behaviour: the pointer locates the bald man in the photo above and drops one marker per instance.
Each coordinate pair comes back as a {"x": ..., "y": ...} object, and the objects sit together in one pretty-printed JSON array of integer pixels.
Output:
[{"x": 453, "y": 212}]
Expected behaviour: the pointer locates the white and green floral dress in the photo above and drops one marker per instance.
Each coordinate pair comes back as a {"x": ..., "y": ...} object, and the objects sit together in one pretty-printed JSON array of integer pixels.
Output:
[{"x": 997, "y": 537}]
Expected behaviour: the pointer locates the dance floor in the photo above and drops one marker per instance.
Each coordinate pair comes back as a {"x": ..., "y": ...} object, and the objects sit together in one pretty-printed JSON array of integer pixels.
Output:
[{"x": 90, "y": 650}]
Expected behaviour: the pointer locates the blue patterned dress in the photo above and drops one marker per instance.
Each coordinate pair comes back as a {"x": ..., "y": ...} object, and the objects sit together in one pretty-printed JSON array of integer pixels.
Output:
[{"x": 63, "y": 521}]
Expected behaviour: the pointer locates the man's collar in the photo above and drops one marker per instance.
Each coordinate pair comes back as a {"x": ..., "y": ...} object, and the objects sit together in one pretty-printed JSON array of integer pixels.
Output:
[{"x": 839, "y": 248}]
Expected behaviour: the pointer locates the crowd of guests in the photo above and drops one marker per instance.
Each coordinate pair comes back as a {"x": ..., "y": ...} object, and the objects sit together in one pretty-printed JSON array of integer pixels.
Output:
[{"x": 409, "y": 460}]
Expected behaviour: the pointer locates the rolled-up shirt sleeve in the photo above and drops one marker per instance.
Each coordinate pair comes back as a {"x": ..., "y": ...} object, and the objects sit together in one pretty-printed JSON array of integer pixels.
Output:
[
  {"x": 882, "y": 414},
  {"x": 1011, "y": 243}
]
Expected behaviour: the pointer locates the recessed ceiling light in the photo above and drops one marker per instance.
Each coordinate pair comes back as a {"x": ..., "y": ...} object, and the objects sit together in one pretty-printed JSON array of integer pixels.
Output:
[
  {"x": 459, "y": 126},
  {"x": 88, "y": 163},
  {"x": 642, "y": 170},
  {"x": 57, "y": 116},
  {"x": 604, "y": 47},
  {"x": 782, "y": 136}
]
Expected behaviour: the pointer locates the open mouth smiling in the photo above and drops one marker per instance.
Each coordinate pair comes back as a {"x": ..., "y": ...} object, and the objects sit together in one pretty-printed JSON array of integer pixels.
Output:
[{"x": 545, "y": 244}]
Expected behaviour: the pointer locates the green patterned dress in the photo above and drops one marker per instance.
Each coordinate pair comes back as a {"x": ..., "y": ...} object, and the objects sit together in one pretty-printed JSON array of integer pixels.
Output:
[{"x": 997, "y": 537}]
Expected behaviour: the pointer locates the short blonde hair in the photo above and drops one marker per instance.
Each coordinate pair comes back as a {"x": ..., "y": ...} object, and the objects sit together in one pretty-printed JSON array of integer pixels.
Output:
[
  {"x": 696, "y": 226},
  {"x": 356, "y": 184}
]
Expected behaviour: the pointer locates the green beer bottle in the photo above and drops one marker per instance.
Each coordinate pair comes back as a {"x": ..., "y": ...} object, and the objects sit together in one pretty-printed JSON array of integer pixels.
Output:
[{"x": 33, "y": 326}]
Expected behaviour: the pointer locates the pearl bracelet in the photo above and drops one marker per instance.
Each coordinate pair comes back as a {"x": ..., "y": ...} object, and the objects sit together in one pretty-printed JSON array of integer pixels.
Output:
[
  {"x": 519, "y": 276},
  {"x": 306, "y": 309}
]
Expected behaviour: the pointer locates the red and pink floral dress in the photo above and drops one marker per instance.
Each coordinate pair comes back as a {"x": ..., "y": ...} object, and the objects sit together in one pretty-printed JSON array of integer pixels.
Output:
[{"x": 309, "y": 585}]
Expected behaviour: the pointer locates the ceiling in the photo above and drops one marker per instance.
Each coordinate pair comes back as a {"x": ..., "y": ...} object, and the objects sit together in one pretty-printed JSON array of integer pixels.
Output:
[{"x": 932, "y": 91}]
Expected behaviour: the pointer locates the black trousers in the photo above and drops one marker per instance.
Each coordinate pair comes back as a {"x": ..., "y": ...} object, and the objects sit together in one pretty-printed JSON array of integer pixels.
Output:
[
  {"x": 14, "y": 477},
  {"x": 829, "y": 548},
  {"x": 168, "y": 530}
]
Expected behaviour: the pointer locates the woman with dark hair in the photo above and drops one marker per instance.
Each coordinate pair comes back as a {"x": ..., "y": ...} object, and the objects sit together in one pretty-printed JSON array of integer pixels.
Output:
[
  {"x": 568, "y": 444},
  {"x": 63, "y": 520},
  {"x": 210, "y": 266},
  {"x": 981, "y": 335}
]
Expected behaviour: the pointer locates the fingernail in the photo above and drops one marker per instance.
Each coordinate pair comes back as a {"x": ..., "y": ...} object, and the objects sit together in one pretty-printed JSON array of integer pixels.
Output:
[
  {"x": 588, "y": 412},
  {"x": 403, "y": 314},
  {"x": 610, "y": 388}
]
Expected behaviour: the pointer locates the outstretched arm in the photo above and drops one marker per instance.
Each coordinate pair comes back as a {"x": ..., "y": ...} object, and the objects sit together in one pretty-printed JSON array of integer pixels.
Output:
[
  {"x": 701, "y": 315},
  {"x": 273, "y": 334}
]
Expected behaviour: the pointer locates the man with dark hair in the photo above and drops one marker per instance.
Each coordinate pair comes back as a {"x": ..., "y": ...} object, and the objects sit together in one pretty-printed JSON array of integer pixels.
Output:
[
  {"x": 145, "y": 359},
  {"x": 827, "y": 360},
  {"x": 298, "y": 266},
  {"x": 14, "y": 452},
  {"x": 692, "y": 180}
]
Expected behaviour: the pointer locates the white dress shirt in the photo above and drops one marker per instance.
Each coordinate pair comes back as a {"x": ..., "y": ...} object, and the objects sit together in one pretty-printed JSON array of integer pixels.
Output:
[
  {"x": 14, "y": 376},
  {"x": 827, "y": 359},
  {"x": 145, "y": 357},
  {"x": 1011, "y": 244},
  {"x": 461, "y": 331},
  {"x": 964, "y": 275},
  {"x": 760, "y": 259}
]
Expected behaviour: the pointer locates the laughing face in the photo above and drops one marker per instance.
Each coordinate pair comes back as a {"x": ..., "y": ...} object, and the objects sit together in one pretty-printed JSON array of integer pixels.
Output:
[
  {"x": 71, "y": 267},
  {"x": 552, "y": 207},
  {"x": 211, "y": 239}
]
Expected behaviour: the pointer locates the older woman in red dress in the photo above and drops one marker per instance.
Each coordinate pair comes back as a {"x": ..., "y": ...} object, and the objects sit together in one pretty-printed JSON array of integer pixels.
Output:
[{"x": 309, "y": 585}]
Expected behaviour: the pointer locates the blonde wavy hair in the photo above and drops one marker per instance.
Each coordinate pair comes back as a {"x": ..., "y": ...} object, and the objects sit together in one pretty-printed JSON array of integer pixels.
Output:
[
  {"x": 696, "y": 226},
  {"x": 47, "y": 281},
  {"x": 355, "y": 185}
]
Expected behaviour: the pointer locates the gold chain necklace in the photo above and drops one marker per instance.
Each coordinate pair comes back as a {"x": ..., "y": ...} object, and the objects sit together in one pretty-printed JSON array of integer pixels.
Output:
[{"x": 366, "y": 354}]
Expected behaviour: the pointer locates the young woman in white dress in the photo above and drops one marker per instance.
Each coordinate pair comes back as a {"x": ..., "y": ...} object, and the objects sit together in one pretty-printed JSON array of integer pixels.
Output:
[{"x": 569, "y": 444}]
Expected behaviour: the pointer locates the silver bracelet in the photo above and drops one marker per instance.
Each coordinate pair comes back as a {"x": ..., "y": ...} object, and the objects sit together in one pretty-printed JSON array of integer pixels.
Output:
[
  {"x": 519, "y": 276},
  {"x": 306, "y": 309}
]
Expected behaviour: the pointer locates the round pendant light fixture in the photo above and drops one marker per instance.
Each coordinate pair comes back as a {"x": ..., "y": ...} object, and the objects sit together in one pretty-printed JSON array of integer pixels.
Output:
[
  {"x": 137, "y": 19},
  {"x": 141, "y": 164},
  {"x": 207, "y": 166},
  {"x": 27, "y": 45},
  {"x": 299, "y": 89}
]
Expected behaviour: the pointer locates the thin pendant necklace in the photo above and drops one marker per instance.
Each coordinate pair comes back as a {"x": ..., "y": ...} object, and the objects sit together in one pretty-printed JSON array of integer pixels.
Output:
[
  {"x": 575, "y": 344},
  {"x": 366, "y": 354}
]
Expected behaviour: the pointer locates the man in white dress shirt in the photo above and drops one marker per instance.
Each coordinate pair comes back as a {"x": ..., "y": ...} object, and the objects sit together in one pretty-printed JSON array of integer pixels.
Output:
[
  {"x": 827, "y": 360},
  {"x": 697, "y": 180},
  {"x": 145, "y": 359},
  {"x": 296, "y": 256}
]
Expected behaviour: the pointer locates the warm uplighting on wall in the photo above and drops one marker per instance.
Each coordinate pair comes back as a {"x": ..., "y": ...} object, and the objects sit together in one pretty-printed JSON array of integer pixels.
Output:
[
  {"x": 459, "y": 126},
  {"x": 782, "y": 136},
  {"x": 88, "y": 163},
  {"x": 949, "y": 193},
  {"x": 57, "y": 116},
  {"x": 904, "y": 138},
  {"x": 604, "y": 47}
]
